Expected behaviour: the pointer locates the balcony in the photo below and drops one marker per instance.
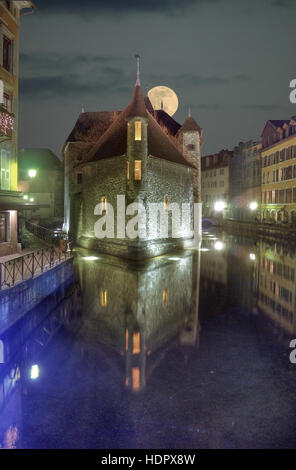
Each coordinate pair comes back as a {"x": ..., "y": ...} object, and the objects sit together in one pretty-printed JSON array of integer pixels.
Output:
[{"x": 6, "y": 123}]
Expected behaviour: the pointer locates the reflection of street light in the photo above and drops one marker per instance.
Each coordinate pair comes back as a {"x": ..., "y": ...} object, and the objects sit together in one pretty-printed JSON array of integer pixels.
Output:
[
  {"x": 34, "y": 374},
  {"x": 32, "y": 173},
  {"x": 219, "y": 246},
  {"x": 219, "y": 206},
  {"x": 253, "y": 206}
]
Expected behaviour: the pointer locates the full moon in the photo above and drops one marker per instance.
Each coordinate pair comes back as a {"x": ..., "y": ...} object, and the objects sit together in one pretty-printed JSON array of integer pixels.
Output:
[{"x": 162, "y": 97}]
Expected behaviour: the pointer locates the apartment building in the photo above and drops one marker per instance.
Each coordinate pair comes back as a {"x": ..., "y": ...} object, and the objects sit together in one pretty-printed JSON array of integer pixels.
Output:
[
  {"x": 10, "y": 198},
  {"x": 279, "y": 172},
  {"x": 215, "y": 183},
  {"x": 245, "y": 177}
]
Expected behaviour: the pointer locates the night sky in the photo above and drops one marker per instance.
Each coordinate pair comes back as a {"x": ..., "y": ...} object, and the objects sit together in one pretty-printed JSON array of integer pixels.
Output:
[{"x": 231, "y": 61}]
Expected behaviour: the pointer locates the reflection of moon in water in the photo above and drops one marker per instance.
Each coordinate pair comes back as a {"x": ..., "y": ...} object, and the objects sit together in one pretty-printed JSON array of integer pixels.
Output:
[{"x": 165, "y": 95}]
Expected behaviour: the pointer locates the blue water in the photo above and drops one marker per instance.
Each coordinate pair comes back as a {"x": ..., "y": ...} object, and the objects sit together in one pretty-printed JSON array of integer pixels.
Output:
[{"x": 182, "y": 351}]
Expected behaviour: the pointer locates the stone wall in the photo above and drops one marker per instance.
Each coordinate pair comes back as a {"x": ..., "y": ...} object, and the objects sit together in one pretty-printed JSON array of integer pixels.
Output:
[{"x": 107, "y": 178}]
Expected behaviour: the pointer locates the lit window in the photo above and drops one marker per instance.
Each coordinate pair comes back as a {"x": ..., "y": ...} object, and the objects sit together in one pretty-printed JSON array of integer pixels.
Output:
[
  {"x": 126, "y": 339},
  {"x": 166, "y": 203},
  {"x": 104, "y": 203},
  {"x": 127, "y": 170},
  {"x": 7, "y": 102},
  {"x": 138, "y": 130},
  {"x": 136, "y": 343},
  {"x": 4, "y": 227},
  {"x": 104, "y": 298},
  {"x": 165, "y": 297},
  {"x": 136, "y": 378},
  {"x": 138, "y": 170},
  {"x": 5, "y": 169}
]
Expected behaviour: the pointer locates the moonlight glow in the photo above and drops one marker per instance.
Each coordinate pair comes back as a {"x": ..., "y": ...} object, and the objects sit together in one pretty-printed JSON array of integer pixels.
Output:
[{"x": 162, "y": 97}]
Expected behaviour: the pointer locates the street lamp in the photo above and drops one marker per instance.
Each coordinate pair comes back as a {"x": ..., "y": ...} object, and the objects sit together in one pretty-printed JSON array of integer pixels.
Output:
[
  {"x": 253, "y": 206},
  {"x": 32, "y": 199},
  {"x": 26, "y": 197},
  {"x": 32, "y": 173},
  {"x": 219, "y": 206}
]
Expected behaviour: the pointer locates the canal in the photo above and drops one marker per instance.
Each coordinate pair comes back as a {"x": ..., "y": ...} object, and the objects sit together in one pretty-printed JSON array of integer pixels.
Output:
[{"x": 182, "y": 351}]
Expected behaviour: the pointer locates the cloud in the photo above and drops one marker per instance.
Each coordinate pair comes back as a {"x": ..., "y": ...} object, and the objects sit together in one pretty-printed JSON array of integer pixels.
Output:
[
  {"x": 90, "y": 7},
  {"x": 261, "y": 107},
  {"x": 70, "y": 75},
  {"x": 283, "y": 3}
]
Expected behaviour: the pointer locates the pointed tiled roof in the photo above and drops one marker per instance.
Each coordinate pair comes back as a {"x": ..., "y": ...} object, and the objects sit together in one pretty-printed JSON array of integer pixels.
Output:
[
  {"x": 190, "y": 125},
  {"x": 137, "y": 107},
  {"x": 113, "y": 142},
  {"x": 90, "y": 126},
  {"x": 164, "y": 119}
]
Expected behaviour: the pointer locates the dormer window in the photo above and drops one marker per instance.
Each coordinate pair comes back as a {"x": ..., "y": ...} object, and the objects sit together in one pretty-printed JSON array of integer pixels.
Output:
[
  {"x": 191, "y": 147},
  {"x": 138, "y": 130}
]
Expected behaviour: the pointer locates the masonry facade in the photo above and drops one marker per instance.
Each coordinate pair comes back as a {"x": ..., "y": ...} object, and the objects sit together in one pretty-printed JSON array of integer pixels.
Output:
[
  {"x": 279, "y": 172},
  {"x": 140, "y": 154},
  {"x": 245, "y": 177},
  {"x": 215, "y": 181},
  {"x": 10, "y": 199}
]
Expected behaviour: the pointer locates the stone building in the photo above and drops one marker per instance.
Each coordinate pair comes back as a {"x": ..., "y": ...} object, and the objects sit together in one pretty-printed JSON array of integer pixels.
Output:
[
  {"x": 215, "y": 182},
  {"x": 10, "y": 199},
  {"x": 141, "y": 154},
  {"x": 41, "y": 178},
  {"x": 279, "y": 172},
  {"x": 245, "y": 177}
]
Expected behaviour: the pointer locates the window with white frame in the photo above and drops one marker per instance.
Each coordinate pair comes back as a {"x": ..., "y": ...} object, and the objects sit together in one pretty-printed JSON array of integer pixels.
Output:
[{"x": 5, "y": 169}]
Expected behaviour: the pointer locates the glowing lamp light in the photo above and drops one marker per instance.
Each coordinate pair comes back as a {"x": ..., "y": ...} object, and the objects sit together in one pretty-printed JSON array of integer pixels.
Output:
[
  {"x": 32, "y": 199},
  {"x": 26, "y": 197},
  {"x": 252, "y": 257},
  {"x": 34, "y": 373},
  {"x": 32, "y": 173},
  {"x": 219, "y": 206},
  {"x": 219, "y": 246},
  {"x": 253, "y": 206}
]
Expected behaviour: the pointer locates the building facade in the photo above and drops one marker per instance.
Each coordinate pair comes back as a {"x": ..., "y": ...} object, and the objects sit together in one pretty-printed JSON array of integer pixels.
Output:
[
  {"x": 10, "y": 199},
  {"x": 41, "y": 179},
  {"x": 140, "y": 154},
  {"x": 279, "y": 172},
  {"x": 245, "y": 177},
  {"x": 215, "y": 182}
]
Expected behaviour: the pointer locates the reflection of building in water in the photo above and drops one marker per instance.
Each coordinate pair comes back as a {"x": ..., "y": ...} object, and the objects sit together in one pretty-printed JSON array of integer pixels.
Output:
[
  {"x": 23, "y": 347},
  {"x": 213, "y": 273},
  {"x": 277, "y": 287},
  {"x": 139, "y": 311}
]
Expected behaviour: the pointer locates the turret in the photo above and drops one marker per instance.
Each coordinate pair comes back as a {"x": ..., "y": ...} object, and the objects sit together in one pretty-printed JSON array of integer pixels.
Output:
[
  {"x": 191, "y": 137},
  {"x": 137, "y": 140}
]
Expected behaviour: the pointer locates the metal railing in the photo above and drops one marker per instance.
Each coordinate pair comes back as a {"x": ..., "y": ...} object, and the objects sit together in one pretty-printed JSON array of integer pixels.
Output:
[
  {"x": 28, "y": 266},
  {"x": 49, "y": 236}
]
